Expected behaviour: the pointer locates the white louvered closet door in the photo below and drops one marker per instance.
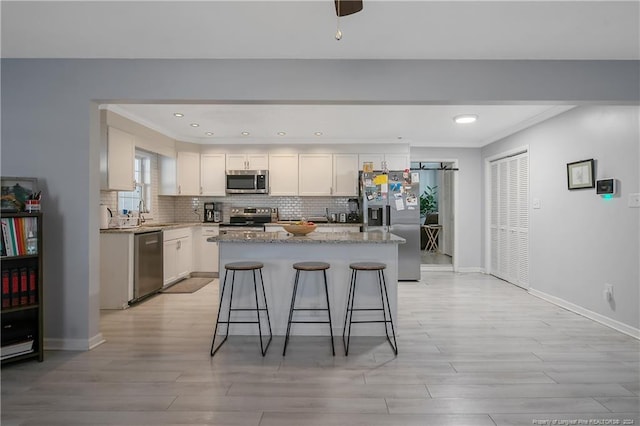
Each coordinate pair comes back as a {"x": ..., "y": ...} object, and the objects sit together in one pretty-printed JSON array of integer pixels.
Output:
[{"x": 509, "y": 221}]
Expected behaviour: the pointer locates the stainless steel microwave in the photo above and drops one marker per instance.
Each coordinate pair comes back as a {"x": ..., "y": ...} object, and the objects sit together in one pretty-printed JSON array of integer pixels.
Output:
[{"x": 247, "y": 181}]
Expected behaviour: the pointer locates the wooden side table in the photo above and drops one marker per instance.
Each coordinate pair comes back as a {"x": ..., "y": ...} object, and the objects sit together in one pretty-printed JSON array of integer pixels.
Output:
[{"x": 432, "y": 237}]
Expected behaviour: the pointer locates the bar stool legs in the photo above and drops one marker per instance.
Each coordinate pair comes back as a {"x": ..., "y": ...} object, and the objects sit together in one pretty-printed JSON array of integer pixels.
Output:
[
  {"x": 384, "y": 298},
  {"x": 309, "y": 266},
  {"x": 242, "y": 266}
]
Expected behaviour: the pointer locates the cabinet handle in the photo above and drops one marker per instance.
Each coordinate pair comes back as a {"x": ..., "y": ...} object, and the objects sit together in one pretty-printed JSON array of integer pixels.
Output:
[
  {"x": 179, "y": 189},
  {"x": 200, "y": 190},
  {"x": 179, "y": 245}
]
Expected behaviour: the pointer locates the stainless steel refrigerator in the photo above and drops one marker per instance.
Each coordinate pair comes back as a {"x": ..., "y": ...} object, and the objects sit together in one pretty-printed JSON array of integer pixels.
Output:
[{"x": 391, "y": 203}]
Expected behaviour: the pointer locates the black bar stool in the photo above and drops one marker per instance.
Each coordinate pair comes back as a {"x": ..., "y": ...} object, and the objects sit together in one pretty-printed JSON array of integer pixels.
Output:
[
  {"x": 386, "y": 308},
  {"x": 309, "y": 266},
  {"x": 242, "y": 266}
]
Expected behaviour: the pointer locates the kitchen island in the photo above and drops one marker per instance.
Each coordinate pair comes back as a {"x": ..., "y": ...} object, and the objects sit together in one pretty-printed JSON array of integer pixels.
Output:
[{"x": 278, "y": 251}]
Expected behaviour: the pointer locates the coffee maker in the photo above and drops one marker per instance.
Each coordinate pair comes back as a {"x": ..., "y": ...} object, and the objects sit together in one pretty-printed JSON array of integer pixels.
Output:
[
  {"x": 354, "y": 210},
  {"x": 210, "y": 213}
]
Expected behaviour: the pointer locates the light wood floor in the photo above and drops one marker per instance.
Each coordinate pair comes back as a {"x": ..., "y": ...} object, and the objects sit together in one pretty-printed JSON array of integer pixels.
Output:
[
  {"x": 434, "y": 258},
  {"x": 473, "y": 350}
]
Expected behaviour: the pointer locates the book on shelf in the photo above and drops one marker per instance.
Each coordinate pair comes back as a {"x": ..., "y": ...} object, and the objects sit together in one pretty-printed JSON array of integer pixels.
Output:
[
  {"x": 15, "y": 232},
  {"x": 15, "y": 287},
  {"x": 15, "y": 349},
  {"x": 6, "y": 289},
  {"x": 19, "y": 286},
  {"x": 33, "y": 286}
]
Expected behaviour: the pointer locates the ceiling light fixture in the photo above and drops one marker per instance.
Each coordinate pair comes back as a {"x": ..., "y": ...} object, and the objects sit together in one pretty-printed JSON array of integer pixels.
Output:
[
  {"x": 281, "y": 133},
  {"x": 465, "y": 118},
  {"x": 194, "y": 125},
  {"x": 178, "y": 114},
  {"x": 245, "y": 133},
  {"x": 344, "y": 8},
  {"x": 318, "y": 133},
  {"x": 208, "y": 133}
]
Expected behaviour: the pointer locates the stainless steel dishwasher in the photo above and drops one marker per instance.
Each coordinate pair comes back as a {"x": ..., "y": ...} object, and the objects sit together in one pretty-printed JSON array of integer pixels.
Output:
[{"x": 147, "y": 267}]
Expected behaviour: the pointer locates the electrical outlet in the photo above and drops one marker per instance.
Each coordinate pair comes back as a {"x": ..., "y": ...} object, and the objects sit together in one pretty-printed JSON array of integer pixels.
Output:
[{"x": 536, "y": 203}]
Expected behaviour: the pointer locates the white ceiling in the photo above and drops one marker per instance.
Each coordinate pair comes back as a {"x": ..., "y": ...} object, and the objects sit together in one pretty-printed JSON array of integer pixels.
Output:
[
  {"x": 417, "y": 125},
  {"x": 390, "y": 29}
]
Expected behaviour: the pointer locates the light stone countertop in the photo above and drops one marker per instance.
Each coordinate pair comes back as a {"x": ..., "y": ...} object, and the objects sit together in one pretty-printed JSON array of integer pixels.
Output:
[
  {"x": 151, "y": 227},
  {"x": 312, "y": 238}
]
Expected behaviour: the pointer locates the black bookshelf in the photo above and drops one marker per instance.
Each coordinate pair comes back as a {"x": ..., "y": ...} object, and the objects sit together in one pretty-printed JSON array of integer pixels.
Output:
[{"x": 21, "y": 314}]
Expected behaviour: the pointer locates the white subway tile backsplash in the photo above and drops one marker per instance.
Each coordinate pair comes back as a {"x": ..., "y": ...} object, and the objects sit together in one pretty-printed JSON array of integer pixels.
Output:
[{"x": 188, "y": 208}]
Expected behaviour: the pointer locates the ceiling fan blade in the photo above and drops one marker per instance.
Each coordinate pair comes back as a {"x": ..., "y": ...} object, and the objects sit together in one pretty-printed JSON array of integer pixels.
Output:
[{"x": 347, "y": 7}]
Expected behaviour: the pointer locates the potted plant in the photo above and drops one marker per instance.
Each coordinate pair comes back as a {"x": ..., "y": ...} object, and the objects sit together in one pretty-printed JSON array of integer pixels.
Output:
[{"x": 429, "y": 201}]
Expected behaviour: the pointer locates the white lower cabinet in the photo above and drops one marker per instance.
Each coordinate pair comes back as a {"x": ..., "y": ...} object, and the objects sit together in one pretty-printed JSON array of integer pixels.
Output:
[
  {"x": 116, "y": 270},
  {"x": 177, "y": 254},
  {"x": 207, "y": 252}
]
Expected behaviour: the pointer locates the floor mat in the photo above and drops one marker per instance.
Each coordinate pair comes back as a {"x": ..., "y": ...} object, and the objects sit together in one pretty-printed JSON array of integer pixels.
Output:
[{"x": 190, "y": 285}]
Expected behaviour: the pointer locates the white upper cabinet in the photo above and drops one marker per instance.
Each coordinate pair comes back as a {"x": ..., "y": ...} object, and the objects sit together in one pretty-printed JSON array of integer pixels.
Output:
[
  {"x": 212, "y": 174},
  {"x": 247, "y": 162},
  {"x": 118, "y": 162},
  {"x": 180, "y": 175},
  {"x": 345, "y": 175},
  {"x": 283, "y": 174},
  {"x": 188, "y": 173},
  {"x": 315, "y": 177},
  {"x": 393, "y": 161},
  {"x": 397, "y": 161},
  {"x": 376, "y": 159}
]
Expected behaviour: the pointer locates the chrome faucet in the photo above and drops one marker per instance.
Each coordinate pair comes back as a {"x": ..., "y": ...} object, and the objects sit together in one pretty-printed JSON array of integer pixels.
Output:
[{"x": 141, "y": 209}]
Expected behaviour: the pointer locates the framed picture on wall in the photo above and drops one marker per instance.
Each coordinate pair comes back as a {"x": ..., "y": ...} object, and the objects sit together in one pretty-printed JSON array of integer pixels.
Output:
[
  {"x": 580, "y": 174},
  {"x": 16, "y": 191}
]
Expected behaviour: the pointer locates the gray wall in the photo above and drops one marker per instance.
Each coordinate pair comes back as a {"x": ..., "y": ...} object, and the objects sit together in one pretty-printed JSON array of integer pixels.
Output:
[
  {"x": 50, "y": 128},
  {"x": 579, "y": 241}
]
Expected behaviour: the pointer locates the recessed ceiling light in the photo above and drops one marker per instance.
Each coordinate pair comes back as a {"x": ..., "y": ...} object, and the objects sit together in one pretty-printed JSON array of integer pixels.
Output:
[
  {"x": 194, "y": 125},
  {"x": 245, "y": 133},
  {"x": 318, "y": 133},
  {"x": 208, "y": 133},
  {"x": 281, "y": 133},
  {"x": 178, "y": 114},
  {"x": 465, "y": 118}
]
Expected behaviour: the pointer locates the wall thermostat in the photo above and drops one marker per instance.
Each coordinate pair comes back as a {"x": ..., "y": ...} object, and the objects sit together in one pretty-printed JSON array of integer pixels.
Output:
[{"x": 606, "y": 186}]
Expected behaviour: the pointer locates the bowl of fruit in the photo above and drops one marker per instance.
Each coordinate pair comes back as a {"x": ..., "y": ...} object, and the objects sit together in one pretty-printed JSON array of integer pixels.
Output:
[{"x": 299, "y": 228}]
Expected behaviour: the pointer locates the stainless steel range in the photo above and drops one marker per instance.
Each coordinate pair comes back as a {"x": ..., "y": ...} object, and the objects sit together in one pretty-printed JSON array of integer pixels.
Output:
[{"x": 247, "y": 219}]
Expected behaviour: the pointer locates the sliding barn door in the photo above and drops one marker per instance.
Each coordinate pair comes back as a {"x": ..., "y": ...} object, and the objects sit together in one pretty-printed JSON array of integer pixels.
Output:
[{"x": 509, "y": 219}]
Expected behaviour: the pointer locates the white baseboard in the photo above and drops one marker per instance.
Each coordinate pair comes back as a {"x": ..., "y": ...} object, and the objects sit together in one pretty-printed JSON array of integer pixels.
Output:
[
  {"x": 436, "y": 268},
  {"x": 604, "y": 320},
  {"x": 73, "y": 344},
  {"x": 472, "y": 269}
]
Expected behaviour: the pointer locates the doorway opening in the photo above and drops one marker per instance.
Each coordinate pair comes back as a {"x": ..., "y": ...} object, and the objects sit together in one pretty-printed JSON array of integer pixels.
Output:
[{"x": 437, "y": 218}]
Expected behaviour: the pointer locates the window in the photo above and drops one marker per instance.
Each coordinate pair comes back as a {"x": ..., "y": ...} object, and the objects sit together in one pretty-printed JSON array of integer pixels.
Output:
[{"x": 130, "y": 200}]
